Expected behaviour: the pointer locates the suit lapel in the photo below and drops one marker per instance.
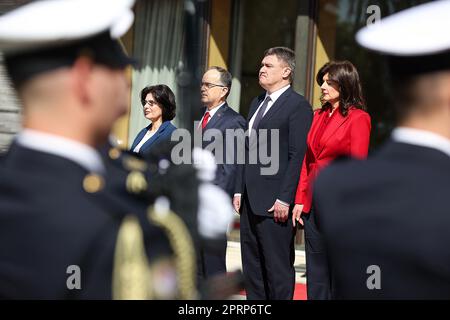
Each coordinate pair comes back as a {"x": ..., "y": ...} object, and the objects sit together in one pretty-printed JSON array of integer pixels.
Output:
[
  {"x": 255, "y": 106},
  {"x": 140, "y": 136},
  {"x": 276, "y": 106},
  {"x": 217, "y": 116},
  {"x": 317, "y": 120},
  {"x": 336, "y": 121},
  {"x": 269, "y": 113},
  {"x": 155, "y": 137}
]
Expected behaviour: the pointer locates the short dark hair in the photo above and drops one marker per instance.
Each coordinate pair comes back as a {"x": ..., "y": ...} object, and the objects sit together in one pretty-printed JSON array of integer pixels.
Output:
[
  {"x": 225, "y": 77},
  {"x": 164, "y": 97},
  {"x": 416, "y": 94},
  {"x": 346, "y": 77},
  {"x": 285, "y": 54},
  {"x": 414, "y": 80}
]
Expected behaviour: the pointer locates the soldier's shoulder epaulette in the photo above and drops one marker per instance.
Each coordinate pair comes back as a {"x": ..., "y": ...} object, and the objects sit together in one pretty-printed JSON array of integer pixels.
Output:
[
  {"x": 129, "y": 161},
  {"x": 130, "y": 172},
  {"x": 132, "y": 163},
  {"x": 145, "y": 180}
]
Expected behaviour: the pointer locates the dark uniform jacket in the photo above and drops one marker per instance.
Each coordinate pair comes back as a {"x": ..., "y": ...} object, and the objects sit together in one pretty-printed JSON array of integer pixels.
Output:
[
  {"x": 386, "y": 224},
  {"x": 54, "y": 216}
]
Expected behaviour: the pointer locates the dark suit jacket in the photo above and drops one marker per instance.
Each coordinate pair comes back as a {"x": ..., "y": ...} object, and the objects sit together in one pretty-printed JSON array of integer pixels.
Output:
[
  {"x": 163, "y": 134},
  {"x": 226, "y": 118},
  {"x": 291, "y": 114},
  {"x": 48, "y": 223},
  {"x": 391, "y": 211}
]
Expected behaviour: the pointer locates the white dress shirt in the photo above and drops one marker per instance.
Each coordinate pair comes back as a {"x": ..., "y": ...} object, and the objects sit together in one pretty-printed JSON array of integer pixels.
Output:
[
  {"x": 212, "y": 112},
  {"x": 273, "y": 98},
  {"x": 82, "y": 154},
  {"x": 421, "y": 138}
]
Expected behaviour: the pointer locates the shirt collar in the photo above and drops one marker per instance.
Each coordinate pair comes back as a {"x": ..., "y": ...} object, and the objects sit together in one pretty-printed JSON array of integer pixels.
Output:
[
  {"x": 276, "y": 94},
  {"x": 82, "y": 154},
  {"x": 214, "y": 110},
  {"x": 421, "y": 138}
]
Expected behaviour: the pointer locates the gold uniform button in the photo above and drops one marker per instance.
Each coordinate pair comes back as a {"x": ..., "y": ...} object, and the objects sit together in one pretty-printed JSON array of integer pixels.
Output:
[
  {"x": 134, "y": 164},
  {"x": 93, "y": 183},
  {"x": 114, "y": 153},
  {"x": 136, "y": 182}
]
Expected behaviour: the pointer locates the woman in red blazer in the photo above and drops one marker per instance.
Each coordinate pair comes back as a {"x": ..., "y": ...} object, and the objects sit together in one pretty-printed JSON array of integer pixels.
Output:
[{"x": 340, "y": 127}]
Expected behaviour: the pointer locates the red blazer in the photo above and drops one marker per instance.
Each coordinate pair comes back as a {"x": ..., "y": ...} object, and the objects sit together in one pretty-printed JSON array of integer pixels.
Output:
[{"x": 343, "y": 136}]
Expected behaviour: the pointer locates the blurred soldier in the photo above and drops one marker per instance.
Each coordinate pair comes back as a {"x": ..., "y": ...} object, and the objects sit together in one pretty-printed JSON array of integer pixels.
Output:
[
  {"x": 133, "y": 184},
  {"x": 63, "y": 229},
  {"x": 386, "y": 220}
]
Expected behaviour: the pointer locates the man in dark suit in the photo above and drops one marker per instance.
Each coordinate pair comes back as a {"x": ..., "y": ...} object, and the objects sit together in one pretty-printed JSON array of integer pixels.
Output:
[
  {"x": 66, "y": 232},
  {"x": 219, "y": 121},
  {"x": 266, "y": 189},
  {"x": 386, "y": 220}
]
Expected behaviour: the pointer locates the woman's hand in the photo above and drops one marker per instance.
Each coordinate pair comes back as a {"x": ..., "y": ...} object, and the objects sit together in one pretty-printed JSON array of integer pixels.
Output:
[{"x": 298, "y": 208}]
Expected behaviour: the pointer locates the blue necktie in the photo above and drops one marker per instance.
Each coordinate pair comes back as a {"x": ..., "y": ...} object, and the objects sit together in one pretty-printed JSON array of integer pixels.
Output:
[{"x": 260, "y": 114}]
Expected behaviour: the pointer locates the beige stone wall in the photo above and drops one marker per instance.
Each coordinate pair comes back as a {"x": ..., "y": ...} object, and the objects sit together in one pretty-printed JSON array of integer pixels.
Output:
[
  {"x": 9, "y": 105},
  {"x": 9, "y": 111}
]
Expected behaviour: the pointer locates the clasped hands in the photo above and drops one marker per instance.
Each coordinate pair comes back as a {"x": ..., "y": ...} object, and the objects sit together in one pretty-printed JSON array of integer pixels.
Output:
[{"x": 280, "y": 211}]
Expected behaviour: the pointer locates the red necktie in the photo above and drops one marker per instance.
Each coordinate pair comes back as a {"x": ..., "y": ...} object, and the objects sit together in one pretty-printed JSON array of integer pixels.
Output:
[{"x": 205, "y": 120}]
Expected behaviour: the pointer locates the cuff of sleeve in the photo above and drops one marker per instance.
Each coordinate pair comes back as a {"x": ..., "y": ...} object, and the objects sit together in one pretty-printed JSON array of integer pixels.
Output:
[
  {"x": 237, "y": 195},
  {"x": 283, "y": 203}
]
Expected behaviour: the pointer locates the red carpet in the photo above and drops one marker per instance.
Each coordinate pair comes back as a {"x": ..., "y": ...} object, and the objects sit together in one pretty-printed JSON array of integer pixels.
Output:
[{"x": 299, "y": 293}]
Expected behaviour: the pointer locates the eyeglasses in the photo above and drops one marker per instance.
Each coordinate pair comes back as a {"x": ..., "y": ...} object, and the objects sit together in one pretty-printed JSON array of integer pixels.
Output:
[
  {"x": 211, "y": 85},
  {"x": 151, "y": 103}
]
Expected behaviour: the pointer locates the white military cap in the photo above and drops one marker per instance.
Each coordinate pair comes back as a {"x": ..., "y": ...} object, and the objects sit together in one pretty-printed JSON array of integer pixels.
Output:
[
  {"x": 49, "y": 34},
  {"x": 421, "y": 30},
  {"x": 47, "y": 22},
  {"x": 415, "y": 41}
]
